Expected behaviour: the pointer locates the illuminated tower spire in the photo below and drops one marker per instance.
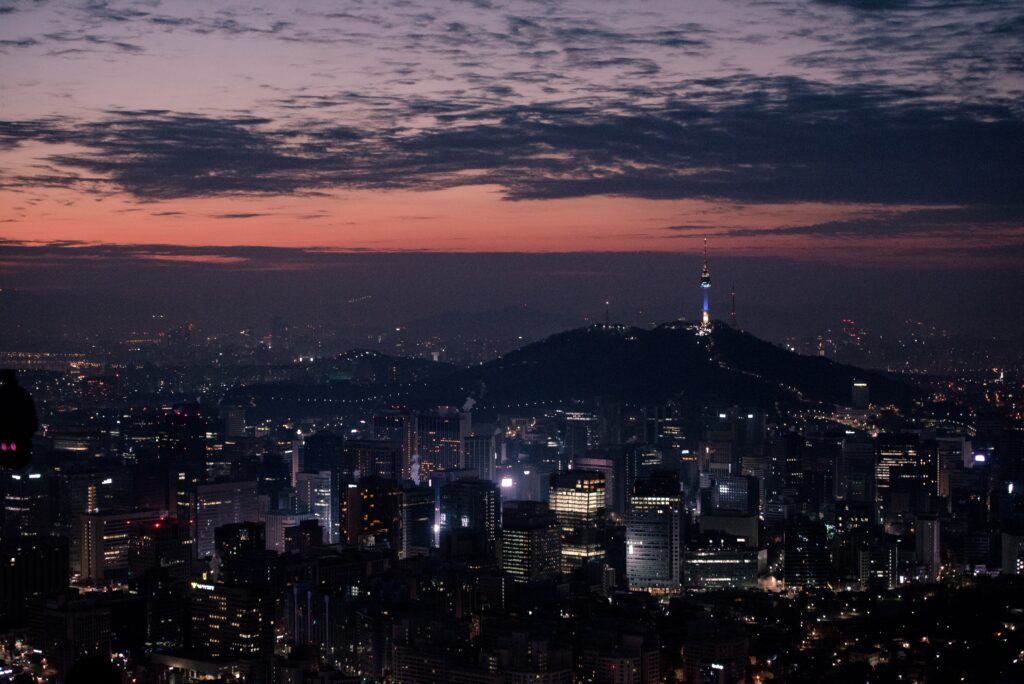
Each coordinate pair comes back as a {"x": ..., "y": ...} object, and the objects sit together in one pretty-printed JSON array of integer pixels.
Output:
[
  {"x": 732, "y": 312},
  {"x": 705, "y": 285}
]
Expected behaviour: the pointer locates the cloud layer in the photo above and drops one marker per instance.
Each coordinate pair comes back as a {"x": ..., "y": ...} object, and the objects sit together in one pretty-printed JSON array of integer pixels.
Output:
[{"x": 909, "y": 108}]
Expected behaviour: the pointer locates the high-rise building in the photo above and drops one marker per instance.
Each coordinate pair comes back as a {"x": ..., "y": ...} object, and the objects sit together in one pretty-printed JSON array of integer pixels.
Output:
[
  {"x": 67, "y": 627},
  {"x": 398, "y": 425},
  {"x": 718, "y": 561},
  {"x": 32, "y": 567},
  {"x": 877, "y": 565},
  {"x": 653, "y": 534},
  {"x": 440, "y": 435},
  {"x": 166, "y": 544},
  {"x": 417, "y": 515},
  {"x": 222, "y": 503},
  {"x": 855, "y": 474},
  {"x": 860, "y": 395},
  {"x": 481, "y": 453},
  {"x": 88, "y": 487},
  {"x": 27, "y": 504},
  {"x": 230, "y": 621},
  {"x": 577, "y": 498},
  {"x": 897, "y": 452},
  {"x": 471, "y": 509},
  {"x": 907, "y": 475},
  {"x": 300, "y": 538},
  {"x": 530, "y": 541},
  {"x": 927, "y": 543},
  {"x": 323, "y": 451},
  {"x": 731, "y": 494},
  {"x": 105, "y": 542},
  {"x": 605, "y": 461},
  {"x": 806, "y": 554},
  {"x": 235, "y": 543},
  {"x": 372, "y": 458},
  {"x": 371, "y": 511},
  {"x": 276, "y": 524},
  {"x": 315, "y": 494}
]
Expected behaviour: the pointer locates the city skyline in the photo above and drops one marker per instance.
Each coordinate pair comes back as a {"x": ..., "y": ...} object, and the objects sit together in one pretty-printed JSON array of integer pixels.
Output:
[{"x": 507, "y": 341}]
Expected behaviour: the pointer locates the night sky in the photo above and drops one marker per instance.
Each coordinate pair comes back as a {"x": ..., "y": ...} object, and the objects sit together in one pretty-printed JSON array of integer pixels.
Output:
[{"x": 221, "y": 160}]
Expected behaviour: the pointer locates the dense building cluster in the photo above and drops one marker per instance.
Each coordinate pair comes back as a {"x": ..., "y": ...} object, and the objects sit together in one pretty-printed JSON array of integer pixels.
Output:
[{"x": 191, "y": 535}]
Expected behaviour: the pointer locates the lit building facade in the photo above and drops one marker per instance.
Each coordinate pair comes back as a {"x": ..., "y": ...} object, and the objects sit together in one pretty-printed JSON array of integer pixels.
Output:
[{"x": 577, "y": 498}]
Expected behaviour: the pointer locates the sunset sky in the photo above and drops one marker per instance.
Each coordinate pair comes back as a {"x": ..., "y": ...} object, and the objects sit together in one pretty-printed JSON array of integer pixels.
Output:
[{"x": 846, "y": 132}]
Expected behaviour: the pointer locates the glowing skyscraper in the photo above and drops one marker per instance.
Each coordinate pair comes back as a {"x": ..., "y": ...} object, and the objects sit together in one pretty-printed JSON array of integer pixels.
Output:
[{"x": 705, "y": 286}]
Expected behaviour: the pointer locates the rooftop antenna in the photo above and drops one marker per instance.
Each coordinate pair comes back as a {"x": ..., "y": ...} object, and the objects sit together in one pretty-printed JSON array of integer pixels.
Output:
[{"x": 607, "y": 313}]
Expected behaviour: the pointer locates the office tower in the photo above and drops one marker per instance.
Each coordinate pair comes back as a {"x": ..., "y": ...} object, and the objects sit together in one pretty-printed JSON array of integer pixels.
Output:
[
  {"x": 371, "y": 511},
  {"x": 628, "y": 654},
  {"x": 398, "y": 425},
  {"x": 27, "y": 503},
  {"x": 1012, "y": 553},
  {"x": 604, "y": 462},
  {"x": 860, "y": 395},
  {"x": 481, "y": 453},
  {"x": 731, "y": 494},
  {"x": 323, "y": 451},
  {"x": 955, "y": 454},
  {"x": 715, "y": 652},
  {"x": 235, "y": 544},
  {"x": 230, "y": 621},
  {"x": 806, "y": 555},
  {"x": 786, "y": 453},
  {"x": 371, "y": 458},
  {"x": 300, "y": 538},
  {"x": 530, "y": 541},
  {"x": 895, "y": 451},
  {"x": 927, "y": 543},
  {"x": 32, "y": 567},
  {"x": 67, "y": 627},
  {"x": 314, "y": 494},
  {"x": 439, "y": 438},
  {"x": 855, "y": 474},
  {"x": 232, "y": 420},
  {"x": 907, "y": 475},
  {"x": 222, "y": 503},
  {"x": 105, "y": 542},
  {"x": 580, "y": 434},
  {"x": 653, "y": 534},
  {"x": 577, "y": 498},
  {"x": 471, "y": 510},
  {"x": 166, "y": 544},
  {"x": 277, "y": 522},
  {"x": 720, "y": 561},
  {"x": 417, "y": 516},
  {"x": 164, "y": 600},
  {"x": 705, "y": 287},
  {"x": 88, "y": 487},
  {"x": 877, "y": 565}
]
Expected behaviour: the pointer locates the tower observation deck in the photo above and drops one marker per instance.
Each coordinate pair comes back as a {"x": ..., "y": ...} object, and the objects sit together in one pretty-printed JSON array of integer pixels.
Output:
[{"x": 705, "y": 287}]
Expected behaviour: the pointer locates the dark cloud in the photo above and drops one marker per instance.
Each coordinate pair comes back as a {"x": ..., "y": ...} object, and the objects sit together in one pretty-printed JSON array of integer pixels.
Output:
[
  {"x": 955, "y": 222},
  {"x": 236, "y": 216},
  {"x": 19, "y": 43},
  {"x": 89, "y": 39},
  {"x": 744, "y": 139}
]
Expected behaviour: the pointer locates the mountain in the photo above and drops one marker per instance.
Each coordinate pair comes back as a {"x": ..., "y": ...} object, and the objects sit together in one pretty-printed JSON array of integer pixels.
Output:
[
  {"x": 581, "y": 367},
  {"x": 640, "y": 365}
]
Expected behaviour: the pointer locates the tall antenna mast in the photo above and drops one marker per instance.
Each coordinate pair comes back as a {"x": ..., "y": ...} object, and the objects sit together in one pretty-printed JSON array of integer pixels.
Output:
[{"x": 732, "y": 313}]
